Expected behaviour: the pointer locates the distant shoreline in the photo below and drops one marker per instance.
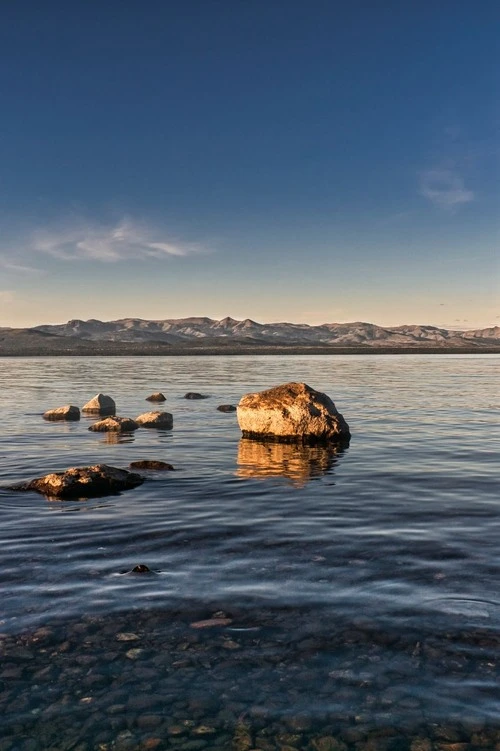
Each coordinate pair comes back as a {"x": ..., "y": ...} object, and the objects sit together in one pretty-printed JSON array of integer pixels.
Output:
[{"x": 117, "y": 349}]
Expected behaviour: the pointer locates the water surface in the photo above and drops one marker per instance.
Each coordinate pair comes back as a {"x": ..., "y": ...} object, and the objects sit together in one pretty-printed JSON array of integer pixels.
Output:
[{"x": 358, "y": 588}]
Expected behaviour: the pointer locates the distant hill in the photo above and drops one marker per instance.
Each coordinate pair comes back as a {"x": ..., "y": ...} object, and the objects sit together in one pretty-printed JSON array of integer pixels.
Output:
[{"x": 205, "y": 335}]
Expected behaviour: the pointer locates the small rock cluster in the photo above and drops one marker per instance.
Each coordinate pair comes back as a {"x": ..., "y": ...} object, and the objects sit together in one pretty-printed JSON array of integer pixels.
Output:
[
  {"x": 105, "y": 407},
  {"x": 292, "y": 412}
]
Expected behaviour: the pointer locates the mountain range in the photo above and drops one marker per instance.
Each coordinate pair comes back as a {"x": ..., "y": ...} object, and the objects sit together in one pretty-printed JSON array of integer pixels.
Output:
[{"x": 140, "y": 336}]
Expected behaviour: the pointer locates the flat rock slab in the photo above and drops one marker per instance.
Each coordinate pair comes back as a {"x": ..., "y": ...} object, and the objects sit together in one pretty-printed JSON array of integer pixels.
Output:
[
  {"x": 291, "y": 412},
  {"x": 162, "y": 420},
  {"x": 68, "y": 412},
  {"x": 152, "y": 464},
  {"x": 114, "y": 425},
  {"x": 156, "y": 397},
  {"x": 82, "y": 482},
  {"x": 100, "y": 404}
]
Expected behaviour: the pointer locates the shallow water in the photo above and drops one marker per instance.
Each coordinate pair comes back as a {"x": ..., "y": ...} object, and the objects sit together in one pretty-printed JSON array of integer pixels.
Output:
[{"x": 361, "y": 585}]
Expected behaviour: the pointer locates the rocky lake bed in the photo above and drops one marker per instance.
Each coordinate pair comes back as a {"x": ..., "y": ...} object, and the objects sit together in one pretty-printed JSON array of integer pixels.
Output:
[{"x": 241, "y": 680}]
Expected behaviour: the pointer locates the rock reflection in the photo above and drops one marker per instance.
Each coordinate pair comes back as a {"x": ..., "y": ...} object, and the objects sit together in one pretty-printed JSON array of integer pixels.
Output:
[
  {"x": 297, "y": 462},
  {"x": 117, "y": 437}
]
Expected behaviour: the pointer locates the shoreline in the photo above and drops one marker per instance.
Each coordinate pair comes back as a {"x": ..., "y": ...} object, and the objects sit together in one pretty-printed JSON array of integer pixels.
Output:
[{"x": 116, "y": 349}]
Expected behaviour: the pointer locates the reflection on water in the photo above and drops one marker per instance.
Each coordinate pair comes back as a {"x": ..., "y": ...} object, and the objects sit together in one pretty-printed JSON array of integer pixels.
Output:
[
  {"x": 117, "y": 437},
  {"x": 297, "y": 462}
]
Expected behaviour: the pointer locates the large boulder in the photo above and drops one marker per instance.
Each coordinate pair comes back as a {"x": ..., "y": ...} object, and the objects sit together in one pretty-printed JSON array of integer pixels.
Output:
[
  {"x": 162, "y": 420},
  {"x": 291, "y": 412},
  {"x": 114, "y": 425},
  {"x": 68, "y": 412},
  {"x": 83, "y": 482},
  {"x": 100, "y": 405}
]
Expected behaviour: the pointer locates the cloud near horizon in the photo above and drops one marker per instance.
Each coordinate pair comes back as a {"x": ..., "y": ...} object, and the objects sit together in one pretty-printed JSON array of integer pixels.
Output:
[
  {"x": 445, "y": 188},
  {"x": 124, "y": 241},
  {"x": 18, "y": 268}
]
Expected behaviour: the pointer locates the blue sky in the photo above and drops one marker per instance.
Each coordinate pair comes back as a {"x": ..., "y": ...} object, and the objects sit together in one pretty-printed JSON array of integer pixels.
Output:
[{"x": 311, "y": 162}]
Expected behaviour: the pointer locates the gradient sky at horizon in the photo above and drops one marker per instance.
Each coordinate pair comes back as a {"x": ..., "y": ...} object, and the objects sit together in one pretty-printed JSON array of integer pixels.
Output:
[{"x": 309, "y": 162}]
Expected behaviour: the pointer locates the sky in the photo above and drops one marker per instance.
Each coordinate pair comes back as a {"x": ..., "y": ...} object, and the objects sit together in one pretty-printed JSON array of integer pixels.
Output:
[{"x": 311, "y": 162}]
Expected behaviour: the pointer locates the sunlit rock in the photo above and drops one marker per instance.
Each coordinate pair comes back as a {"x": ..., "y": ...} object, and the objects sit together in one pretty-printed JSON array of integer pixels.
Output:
[
  {"x": 291, "y": 412},
  {"x": 68, "y": 412},
  {"x": 162, "y": 420},
  {"x": 100, "y": 405},
  {"x": 114, "y": 425},
  {"x": 156, "y": 397},
  {"x": 82, "y": 482}
]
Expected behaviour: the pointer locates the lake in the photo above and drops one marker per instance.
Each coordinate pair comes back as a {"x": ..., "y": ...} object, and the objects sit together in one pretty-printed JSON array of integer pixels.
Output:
[{"x": 354, "y": 593}]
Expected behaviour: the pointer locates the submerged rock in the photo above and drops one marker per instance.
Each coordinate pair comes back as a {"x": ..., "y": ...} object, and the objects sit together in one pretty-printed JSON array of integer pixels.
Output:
[
  {"x": 141, "y": 568},
  {"x": 156, "y": 397},
  {"x": 211, "y": 622},
  {"x": 226, "y": 408},
  {"x": 155, "y": 420},
  {"x": 101, "y": 405},
  {"x": 82, "y": 482},
  {"x": 114, "y": 425},
  {"x": 327, "y": 743},
  {"x": 195, "y": 395},
  {"x": 151, "y": 464},
  {"x": 68, "y": 412},
  {"x": 291, "y": 412},
  {"x": 242, "y": 737}
]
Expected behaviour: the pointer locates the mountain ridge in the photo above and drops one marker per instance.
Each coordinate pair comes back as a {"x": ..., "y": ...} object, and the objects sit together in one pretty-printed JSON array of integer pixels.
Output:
[
  {"x": 177, "y": 330},
  {"x": 203, "y": 335}
]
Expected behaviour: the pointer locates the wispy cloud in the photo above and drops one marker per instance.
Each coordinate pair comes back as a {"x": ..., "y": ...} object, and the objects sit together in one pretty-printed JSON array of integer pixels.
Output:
[
  {"x": 108, "y": 243},
  {"x": 18, "y": 268},
  {"x": 445, "y": 188}
]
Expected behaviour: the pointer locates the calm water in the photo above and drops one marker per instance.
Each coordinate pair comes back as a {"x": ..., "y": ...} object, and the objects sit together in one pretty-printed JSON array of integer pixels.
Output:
[{"x": 359, "y": 589}]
